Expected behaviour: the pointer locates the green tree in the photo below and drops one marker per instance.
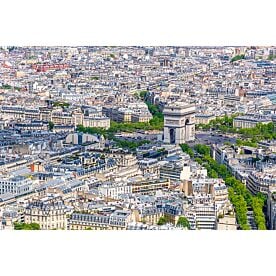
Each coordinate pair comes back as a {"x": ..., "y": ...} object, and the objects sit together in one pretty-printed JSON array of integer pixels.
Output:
[
  {"x": 95, "y": 78},
  {"x": 183, "y": 221},
  {"x": 61, "y": 104},
  {"x": 185, "y": 148},
  {"x": 239, "y": 196},
  {"x": 238, "y": 57},
  {"x": 26, "y": 226},
  {"x": 51, "y": 125},
  {"x": 162, "y": 221},
  {"x": 202, "y": 149},
  {"x": 143, "y": 94}
]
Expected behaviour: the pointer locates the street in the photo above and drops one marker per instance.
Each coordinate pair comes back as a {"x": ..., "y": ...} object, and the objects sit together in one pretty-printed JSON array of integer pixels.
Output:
[{"x": 209, "y": 138}]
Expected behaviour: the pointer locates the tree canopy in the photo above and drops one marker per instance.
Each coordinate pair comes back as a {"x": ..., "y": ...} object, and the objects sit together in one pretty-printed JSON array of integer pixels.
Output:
[
  {"x": 237, "y": 57},
  {"x": 26, "y": 226},
  {"x": 156, "y": 123},
  {"x": 162, "y": 221},
  {"x": 183, "y": 221},
  {"x": 239, "y": 196}
]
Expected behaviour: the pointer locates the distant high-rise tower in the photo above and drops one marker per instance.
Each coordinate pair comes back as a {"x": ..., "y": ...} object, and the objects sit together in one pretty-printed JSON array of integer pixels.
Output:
[{"x": 179, "y": 123}]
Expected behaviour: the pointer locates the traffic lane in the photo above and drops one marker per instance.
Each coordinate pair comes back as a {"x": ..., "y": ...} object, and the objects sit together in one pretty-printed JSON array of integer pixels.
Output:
[{"x": 204, "y": 138}]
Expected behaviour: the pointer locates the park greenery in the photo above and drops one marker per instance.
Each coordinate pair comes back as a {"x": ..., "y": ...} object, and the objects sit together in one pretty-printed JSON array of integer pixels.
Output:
[
  {"x": 239, "y": 196},
  {"x": 238, "y": 57},
  {"x": 26, "y": 226},
  {"x": 114, "y": 128},
  {"x": 251, "y": 136},
  {"x": 224, "y": 124},
  {"x": 156, "y": 123},
  {"x": 183, "y": 222},
  {"x": 248, "y": 143},
  {"x": 132, "y": 145}
]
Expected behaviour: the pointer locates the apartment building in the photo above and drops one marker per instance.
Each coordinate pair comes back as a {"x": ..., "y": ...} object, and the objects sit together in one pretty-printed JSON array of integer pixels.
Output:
[
  {"x": 204, "y": 118},
  {"x": 222, "y": 153},
  {"x": 114, "y": 190},
  {"x": 202, "y": 216},
  {"x": 271, "y": 208},
  {"x": 227, "y": 222},
  {"x": 250, "y": 121},
  {"x": 269, "y": 145},
  {"x": 48, "y": 214},
  {"x": 141, "y": 118},
  {"x": 175, "y": 169},
  {"x": 128, "y": 114},
  {"x": 58, "y": 117},
  {"x": 118, "y": 220},
  {"x": 149, "y": 215},
  {"x": 261, "y": 181},
  {"x": 81, "y": 138},
  {"x": 62, "y": 118},
  {"x": 101, "y": 122},
  {"x": 17, "y": 185},
  {"x": 150, "y": 186},
  {"x": 32, "y": 126},
  {"x": 118, "y": 114},
  {"x": 232, "y": 100},
  {"x": 149, "y": 167}
]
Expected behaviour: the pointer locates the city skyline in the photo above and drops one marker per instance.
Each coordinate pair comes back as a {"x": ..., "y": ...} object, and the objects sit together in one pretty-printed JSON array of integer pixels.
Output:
[{"x": 138, "y": 138}]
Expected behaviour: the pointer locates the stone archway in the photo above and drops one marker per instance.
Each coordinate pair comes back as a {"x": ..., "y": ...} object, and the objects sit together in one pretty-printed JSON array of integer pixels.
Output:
[{"x": 172, "y": 135}]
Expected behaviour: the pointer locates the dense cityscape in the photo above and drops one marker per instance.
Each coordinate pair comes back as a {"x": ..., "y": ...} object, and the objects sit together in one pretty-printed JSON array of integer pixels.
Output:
[{"x": 138, "y": 138}]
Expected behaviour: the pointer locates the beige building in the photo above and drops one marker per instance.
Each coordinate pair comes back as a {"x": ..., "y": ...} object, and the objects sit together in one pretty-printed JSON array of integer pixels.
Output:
[
  {"x": 62, "y": 118},
  {"x": 49, "y": 215},
  {"x": 271, "y": 208},
  {"x": 250, "y": 121},
  {"x": 118, "y": 220},
  {"x": 148, "y": 215},
  {"x": 228, "y": 222},
  {"x": 261, "y": 181},
  {"x": 204, "y": 118},
  {"x": 149, "y": 167},
  {"x": 102, "y": 122},
  {"x": 150, "y": 186},
  {"x": 141, "y": 118}
]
